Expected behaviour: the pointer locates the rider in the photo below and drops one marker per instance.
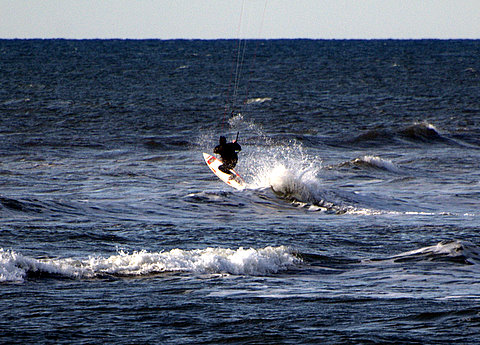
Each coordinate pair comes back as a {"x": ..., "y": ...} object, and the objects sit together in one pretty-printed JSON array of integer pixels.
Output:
[{"x": 228, "y": 154}]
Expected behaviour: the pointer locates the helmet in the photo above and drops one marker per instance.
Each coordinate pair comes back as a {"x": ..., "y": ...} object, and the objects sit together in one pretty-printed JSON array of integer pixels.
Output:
[{"x": 223, "y": 140}]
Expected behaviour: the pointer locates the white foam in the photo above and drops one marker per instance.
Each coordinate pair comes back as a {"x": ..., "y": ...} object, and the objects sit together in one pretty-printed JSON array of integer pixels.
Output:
[
  {"x": 380, "y": 163},
  {"x": 364, "y": 211},
  {"x": 258, "y": 100},
  {"x": 9, "y": 267},
  {"x": 14, "y": 267},
  {"x": 426, "y": 124}
]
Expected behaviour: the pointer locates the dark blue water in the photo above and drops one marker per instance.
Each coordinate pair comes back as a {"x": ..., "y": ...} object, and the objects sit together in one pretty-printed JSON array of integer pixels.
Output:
[{"x": 359, "y": 223}]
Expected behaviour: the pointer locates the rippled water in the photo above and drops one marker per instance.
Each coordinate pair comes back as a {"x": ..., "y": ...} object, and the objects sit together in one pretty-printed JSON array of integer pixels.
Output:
[{"x": 359, "y": 223}]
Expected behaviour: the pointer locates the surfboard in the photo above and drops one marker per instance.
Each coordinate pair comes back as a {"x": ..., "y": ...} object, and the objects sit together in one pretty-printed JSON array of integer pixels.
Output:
[{"x": 213, "y": 163}]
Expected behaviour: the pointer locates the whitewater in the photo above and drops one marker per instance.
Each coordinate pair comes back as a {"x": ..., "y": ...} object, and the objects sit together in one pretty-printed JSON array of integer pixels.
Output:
[{"x": 15, "y": 267}]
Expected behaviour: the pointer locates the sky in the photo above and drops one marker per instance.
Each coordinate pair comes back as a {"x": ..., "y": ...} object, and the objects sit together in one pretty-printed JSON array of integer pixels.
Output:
[{"x": 213, "y": 19}]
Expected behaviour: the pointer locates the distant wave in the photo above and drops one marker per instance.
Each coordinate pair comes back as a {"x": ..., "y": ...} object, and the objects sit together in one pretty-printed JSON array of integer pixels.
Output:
[
  {"x": 456, "y": 251},
  {"x": 166, "y": 144},
  {"x": 422, "y": 132},
  {"x": 258, "y": 100},
  {"x": 373, "y": 136},
  {"x": 15, "y": 267},
  {"x": 372, "y": 162}
]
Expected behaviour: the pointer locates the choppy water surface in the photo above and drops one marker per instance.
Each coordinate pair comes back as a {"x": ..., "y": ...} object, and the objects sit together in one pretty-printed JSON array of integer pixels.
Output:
[{"x": 359, "y": 224}]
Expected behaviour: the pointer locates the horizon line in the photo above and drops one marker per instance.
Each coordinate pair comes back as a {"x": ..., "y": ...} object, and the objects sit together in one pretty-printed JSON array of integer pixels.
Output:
[{"x": 244, "y": 38}]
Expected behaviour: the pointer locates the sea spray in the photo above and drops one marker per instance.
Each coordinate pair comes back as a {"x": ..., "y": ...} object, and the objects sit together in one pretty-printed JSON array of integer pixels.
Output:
[
  {"x": 283, "y": 166},
  {"x": 266, "y": 155}
]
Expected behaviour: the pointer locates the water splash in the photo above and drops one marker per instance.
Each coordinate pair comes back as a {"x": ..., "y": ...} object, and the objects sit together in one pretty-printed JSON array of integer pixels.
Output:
[{"x": 271, "y": 163}]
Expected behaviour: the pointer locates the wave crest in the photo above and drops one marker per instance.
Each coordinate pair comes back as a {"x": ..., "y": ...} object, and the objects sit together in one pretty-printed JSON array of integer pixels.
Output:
[
  {"x": 458, "y": 251},
  {"x": 423, "y": 132},
  {"x": 15, "y": 267},
  {"x": 372, "y": 162},
  {"x": 258, "y": 100}
]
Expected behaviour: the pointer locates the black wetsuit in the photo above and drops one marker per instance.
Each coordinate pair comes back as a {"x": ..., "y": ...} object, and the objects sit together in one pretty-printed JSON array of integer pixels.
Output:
[{"x": 228, "y": 152}]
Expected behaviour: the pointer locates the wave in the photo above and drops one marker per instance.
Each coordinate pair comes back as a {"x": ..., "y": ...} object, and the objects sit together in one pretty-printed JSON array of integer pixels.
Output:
[
  {"x": 258, "y": 100},
  {"x": 26, "y": 206},
  {"x": 166, "y": 144},
  {"x": 421, "y": 132},
  {"x": 297, "y": 179},
  {"x": 15, "y": 267},
  {"x": 372, "y": 162},
  {"x": 373, "y": 136},
  {"x": 32, "y": 206},
  {"x": 455, "y": 251},
  {"x": 301, "y": 179}
]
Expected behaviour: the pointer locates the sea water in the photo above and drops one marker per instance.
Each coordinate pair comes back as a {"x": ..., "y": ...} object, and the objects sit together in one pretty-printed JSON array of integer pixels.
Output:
[{"x": 359, "y": 223}]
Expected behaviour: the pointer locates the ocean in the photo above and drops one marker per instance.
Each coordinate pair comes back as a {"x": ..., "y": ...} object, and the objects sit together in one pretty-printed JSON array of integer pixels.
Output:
[{"x": 359, "y": 224}]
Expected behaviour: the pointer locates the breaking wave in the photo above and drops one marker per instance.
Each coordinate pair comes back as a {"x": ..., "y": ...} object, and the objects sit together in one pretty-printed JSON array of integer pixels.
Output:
[
  {"x": 258, "y": 100},
  {"x": 456, "y": 251},
  {"x": 14, "y": 267},
  {"x": 372, "y": 162}
]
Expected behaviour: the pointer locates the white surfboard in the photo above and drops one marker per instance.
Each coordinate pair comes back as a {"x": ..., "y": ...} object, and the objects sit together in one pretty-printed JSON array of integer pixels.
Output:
[{"x": 213, "y": 163}]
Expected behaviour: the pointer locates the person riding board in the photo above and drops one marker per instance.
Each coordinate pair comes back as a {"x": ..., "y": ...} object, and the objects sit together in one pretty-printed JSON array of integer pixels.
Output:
[{"x": 228, "y": 154}]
